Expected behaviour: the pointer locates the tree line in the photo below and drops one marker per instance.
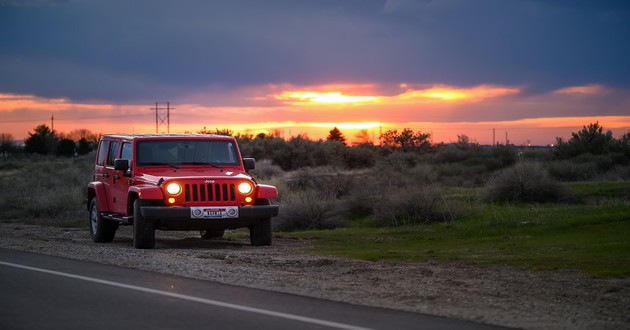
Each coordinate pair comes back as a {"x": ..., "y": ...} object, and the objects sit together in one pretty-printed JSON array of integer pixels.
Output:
[
  {"x": 44, "y": 141},
  {"x": 299, "y": 151}
]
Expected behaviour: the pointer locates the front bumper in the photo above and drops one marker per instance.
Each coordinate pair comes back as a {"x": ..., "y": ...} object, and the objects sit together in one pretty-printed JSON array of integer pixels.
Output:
[{"x": 182, "y": 213}]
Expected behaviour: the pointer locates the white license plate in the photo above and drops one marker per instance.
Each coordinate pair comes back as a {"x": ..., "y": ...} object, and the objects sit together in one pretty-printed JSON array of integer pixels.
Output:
[{"x": 220, "y": 212}]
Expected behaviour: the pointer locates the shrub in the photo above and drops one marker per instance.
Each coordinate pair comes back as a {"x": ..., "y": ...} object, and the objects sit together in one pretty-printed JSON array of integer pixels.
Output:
[
  {"x": 567, "y": 170},
  {"x": 265, "y": 169},
  {"x": 525, "y": 182},
  {"x": 324, "y": 179},
  {"x": 309, "y": 209},
  {"x": 413, "y": 204},
  {"x": 361, "y": 156}
]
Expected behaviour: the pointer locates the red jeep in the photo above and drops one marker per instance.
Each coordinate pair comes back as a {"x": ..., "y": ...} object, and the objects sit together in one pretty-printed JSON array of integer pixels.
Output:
[{"x": 176, "y": 182}]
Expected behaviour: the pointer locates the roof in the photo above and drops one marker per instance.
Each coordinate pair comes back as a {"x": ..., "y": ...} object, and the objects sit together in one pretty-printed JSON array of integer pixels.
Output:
[{"x": 149, "y": 136}]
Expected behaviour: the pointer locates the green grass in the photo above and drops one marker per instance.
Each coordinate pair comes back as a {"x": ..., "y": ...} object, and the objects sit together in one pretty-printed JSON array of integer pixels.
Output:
[{"x": 592, "y": 238}]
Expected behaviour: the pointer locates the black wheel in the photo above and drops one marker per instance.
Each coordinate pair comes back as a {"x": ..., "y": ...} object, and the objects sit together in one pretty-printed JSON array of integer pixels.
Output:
[
  {"x": 212, "y": 234},
  {"x": 260, "y": 233},
  {"x": 101, "y": 230},
  {"x": 143, "y": 229}
]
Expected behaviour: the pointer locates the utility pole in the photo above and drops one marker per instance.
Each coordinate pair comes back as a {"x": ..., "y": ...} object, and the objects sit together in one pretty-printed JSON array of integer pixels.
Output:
[
  {"x": 494, "y": 138},
  {"x": 52, "y": 123},
  {"x": 160, "y": 118}
]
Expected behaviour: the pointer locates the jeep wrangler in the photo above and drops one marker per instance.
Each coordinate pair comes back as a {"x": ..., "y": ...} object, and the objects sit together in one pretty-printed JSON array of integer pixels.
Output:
[{"x": 176, "y": 182}]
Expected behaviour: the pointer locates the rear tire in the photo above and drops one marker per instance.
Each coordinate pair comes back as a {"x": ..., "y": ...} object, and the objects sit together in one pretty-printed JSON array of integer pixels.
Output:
[
  {"x": 101, "y": 230},
  {"x": 143, "y": 229},
  {"x": 260, "y": 233}
]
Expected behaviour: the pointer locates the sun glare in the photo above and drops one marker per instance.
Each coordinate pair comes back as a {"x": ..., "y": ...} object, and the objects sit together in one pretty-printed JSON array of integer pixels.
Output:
[{"x": 306, "y": 97}]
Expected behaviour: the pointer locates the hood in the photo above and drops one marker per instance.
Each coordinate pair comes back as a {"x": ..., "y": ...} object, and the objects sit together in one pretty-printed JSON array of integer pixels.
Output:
[{"x": 155, "y": 176}]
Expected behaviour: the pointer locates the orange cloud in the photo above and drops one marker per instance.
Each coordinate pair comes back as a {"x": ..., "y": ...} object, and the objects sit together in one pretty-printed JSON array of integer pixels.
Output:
[
  {"x": 434, "y": 94},
  {"x": 591, "y": 89},
  {"x": 444, "y": 93}
]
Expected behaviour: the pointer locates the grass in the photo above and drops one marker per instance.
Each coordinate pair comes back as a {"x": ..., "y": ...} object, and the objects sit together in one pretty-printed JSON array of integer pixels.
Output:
[
  {"x": 591, "y": 238},
  {"x": 591, "y": 234}
]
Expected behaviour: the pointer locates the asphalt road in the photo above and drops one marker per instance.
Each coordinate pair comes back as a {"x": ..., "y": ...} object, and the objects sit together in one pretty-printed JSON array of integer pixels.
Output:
[{"x": 45, "y": 292}]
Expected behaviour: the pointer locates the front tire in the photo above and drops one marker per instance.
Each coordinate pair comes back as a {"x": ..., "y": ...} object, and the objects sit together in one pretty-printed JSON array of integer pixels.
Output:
[
  {"x": 260, "y": 233},
  {"x": 101, "y": 230},
  {"x": 143, "y": 229}
]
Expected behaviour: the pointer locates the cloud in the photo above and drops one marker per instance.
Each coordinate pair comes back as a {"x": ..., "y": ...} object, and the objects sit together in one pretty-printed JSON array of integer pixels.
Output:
[
  {"x": 591, "y": 89},
  {"x": 121, "y": 50}
]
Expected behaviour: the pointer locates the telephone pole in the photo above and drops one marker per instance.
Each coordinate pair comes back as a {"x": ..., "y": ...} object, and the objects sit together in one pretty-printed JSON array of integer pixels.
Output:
[
  {"x": 52, "y": 122},
  {"x": 160, "y": 118}
]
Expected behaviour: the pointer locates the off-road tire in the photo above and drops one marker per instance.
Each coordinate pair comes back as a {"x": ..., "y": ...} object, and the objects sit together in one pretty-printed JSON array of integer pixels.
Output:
[
  {"x": 260, "y": 233},
  {"x": 143, "y": 229},
  {"x": 101, "y": 230}
]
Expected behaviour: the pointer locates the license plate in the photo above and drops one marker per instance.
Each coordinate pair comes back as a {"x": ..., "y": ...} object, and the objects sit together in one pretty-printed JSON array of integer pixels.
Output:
[{"x": 221, "y": 212}]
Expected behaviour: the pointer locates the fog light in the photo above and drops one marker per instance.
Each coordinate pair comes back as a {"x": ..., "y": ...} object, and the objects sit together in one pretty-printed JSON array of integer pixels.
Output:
[
  {"x": 171, "y": 200},
  {"x": 248, "y": 199},
  {"x": 231, "y": 212}
]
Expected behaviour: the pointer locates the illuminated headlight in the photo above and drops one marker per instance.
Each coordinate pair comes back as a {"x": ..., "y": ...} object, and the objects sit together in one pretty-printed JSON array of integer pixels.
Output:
[
  {"x": 245, "y": 188},
  {"x": 173, "y": 188}
]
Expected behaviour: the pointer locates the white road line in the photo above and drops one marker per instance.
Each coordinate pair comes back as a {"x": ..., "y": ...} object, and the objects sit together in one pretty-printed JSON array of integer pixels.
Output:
[{"x": 191, "y": 298}]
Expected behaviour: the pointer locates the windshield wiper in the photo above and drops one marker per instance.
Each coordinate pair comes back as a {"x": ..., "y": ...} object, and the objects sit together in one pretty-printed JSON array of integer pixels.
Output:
[
  {"x": 161, "y": 164},
  {"x": 202, "y": 163}
]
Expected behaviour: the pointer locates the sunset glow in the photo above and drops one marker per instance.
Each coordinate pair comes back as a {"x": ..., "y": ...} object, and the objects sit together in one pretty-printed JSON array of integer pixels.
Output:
[
  {"x": 306, "y": 97},
  {"x": 314, "y": 114},
  {"x": 449, "y": 93}
]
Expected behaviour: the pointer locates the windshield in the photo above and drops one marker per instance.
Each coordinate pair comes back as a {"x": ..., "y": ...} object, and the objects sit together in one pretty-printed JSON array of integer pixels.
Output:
[{"x": 181, "y": 152}]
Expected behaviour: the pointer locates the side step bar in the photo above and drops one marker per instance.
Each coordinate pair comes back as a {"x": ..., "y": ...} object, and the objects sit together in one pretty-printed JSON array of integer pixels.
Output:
[{"x": 115, "y": 217}]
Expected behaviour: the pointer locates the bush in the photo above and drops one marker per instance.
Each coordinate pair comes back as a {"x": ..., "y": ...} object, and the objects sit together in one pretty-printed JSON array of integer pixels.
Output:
[
  {"x": 413, "y": 204},
  {"x": 324, "y": 179},
  {"x": 309, "y": 209},
  {"x": 567, "y": 170},
  {"x": 525, "y": 182},
  {"x": 265, "y": 169},
  {"x": 361, "y": 156}
]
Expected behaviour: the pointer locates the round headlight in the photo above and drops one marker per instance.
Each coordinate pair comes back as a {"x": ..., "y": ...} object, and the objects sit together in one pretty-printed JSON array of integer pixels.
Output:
[
  {"x": 245, "y": 188},
  {"x": 173, "y": 188}
]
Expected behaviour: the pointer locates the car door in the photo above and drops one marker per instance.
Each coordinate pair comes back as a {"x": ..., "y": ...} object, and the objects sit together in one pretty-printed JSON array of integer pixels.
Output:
[
  {"x": 108, "y": 174},
  {"x": 121, "y": 182}
]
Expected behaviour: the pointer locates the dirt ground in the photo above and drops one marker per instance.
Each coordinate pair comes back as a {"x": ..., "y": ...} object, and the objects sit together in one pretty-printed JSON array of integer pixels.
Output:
[{"x": 498, "y": 295}]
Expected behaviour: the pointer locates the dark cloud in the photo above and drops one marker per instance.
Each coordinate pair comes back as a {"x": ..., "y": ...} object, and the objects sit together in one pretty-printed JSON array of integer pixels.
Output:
[{"x": 143, "y": 50}]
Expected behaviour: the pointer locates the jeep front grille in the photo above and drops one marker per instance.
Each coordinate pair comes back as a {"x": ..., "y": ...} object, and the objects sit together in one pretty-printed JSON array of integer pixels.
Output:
[{"x": 217, "y": 192}]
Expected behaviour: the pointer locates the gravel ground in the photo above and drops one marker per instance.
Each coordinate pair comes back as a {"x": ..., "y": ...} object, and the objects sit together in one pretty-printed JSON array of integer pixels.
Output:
[{"x": 499, "y": 295}]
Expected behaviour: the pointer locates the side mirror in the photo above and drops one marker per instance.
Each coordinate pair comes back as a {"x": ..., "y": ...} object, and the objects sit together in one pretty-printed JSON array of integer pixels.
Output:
[
  {"x": 121, "y": 165},
  {"x": 249, "y": 164}
]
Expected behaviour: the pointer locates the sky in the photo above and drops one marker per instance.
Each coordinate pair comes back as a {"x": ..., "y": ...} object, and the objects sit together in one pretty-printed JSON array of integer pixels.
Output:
[{"x": 516, "y": 71}]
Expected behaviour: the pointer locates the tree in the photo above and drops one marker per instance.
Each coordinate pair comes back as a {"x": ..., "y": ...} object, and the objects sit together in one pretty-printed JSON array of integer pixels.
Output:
[
  {"x": 84, "y": 146},
  {"x": 407, "y": 140},
  {"x": 7, "y": 144},
  {"x": 590, "y": 139},
  {"x": 623, "y": 144},
  {"x": 83, "y": 133},
  {"x": 363, "y": 137},
  {"x": 336, "y": 135},
  {"x": 66, "y": 147},
  {"x": 43, "y": 141}
]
